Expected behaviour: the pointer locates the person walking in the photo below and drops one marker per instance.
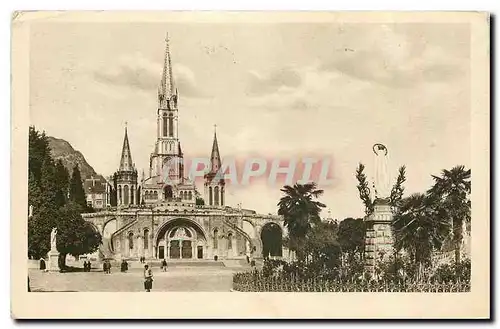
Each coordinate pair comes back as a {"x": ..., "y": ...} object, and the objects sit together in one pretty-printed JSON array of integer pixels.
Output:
[
  {"x": 148, "y": 278},
  {"x": 164, "y": 265}
]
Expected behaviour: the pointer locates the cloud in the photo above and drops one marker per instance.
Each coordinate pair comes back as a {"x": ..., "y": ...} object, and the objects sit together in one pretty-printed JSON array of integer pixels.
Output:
[
  {"x": 139, "y": 73},
  {"x": 282, "y": 78},
  {"x": 185, "y": 82},
  {"x": 394, "y": 59}
]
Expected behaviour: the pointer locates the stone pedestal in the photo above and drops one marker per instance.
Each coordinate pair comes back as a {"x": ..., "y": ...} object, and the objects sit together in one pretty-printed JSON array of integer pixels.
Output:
[
  {"x": 378, "y": 238},
  {"x": 53, "y": 261}
]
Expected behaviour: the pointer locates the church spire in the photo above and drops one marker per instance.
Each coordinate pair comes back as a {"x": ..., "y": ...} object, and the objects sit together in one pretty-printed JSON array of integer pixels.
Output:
[
  {"x": 126, "y": 163},
  {"x": 167, "y": 88},
  {"x": 215, "y": 162}
]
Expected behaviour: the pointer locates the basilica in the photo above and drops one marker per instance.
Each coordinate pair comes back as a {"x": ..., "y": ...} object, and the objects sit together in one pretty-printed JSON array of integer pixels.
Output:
[{"x": 161, "y": 215}]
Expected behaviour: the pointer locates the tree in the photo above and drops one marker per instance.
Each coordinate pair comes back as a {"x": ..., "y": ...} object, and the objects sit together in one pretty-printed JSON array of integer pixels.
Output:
[
  {"x": 76, "y": 191},
  {"x": 452, "y": 190},
  {"x": 419, "y": 228},
  {"x": 75, "y": 236},
  {"x": 62, "y": 183},
  {"x": 363, "y": 189},
  {"x": 398, "y": 189},
  {"x": 39, "y": 152},
  {"x": 351, "y": 236},
  {"x": 47, "y": 191},
  {"x": 42, "y": 196},
  {"x": 300, "y": 210},
  {"x": 322, "y": 245}
]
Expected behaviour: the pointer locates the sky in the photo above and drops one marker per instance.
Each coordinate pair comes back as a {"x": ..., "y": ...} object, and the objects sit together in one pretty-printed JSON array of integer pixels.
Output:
[{"x": 275, "y": 90}]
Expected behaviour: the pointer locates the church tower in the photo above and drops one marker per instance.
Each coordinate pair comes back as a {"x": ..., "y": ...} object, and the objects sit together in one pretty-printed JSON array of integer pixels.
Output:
[
  {"x": 126, "y": 177},
  {"x": 165, "y": 161},
  {"x": 214, "y": 178}
]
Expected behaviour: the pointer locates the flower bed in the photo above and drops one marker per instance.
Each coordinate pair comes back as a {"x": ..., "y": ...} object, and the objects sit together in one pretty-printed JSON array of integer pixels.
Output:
[{"x": 257, "y": 282}]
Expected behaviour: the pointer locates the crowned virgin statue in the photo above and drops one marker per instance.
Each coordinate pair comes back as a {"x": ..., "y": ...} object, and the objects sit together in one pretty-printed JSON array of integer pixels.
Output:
[{"x": 382, "y": 182}]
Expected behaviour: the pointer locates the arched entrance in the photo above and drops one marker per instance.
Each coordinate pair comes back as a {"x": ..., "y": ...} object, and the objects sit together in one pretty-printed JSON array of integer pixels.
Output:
[
  {"x": 271, "y": 236},
  {"x": 181, "y": 238},
  {"x": 110, "y": 227}
]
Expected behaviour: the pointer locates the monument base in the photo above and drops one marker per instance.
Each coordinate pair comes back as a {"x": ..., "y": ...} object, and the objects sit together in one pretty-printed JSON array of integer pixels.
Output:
[
  {"x": 379, "y": 242},
  {"x": 53, "y": 261}
]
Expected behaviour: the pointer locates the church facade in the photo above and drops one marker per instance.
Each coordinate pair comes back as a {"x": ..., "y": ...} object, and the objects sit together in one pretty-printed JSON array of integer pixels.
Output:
[{"x": 161, "y": 215}]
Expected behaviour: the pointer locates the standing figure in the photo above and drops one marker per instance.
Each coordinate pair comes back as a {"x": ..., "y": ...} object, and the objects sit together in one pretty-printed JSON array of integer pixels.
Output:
[
  {"x": 148, "y": 278},
  {"x": 53, "y": 238},
  {"x": 382, "y": 181},
  {"x": 164, "y": 265}
]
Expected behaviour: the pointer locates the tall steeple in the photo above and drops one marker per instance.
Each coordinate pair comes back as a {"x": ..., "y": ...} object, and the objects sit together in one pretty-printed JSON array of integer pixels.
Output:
[
  {"x": 215, "y": 162},
  {"x": 167, "y": 88},
  {"x": 214, "y": 179},
  {"x": 126, "y": 163}
]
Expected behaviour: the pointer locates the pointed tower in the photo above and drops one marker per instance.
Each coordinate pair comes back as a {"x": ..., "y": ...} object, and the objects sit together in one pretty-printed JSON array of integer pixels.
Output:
[
  {"x": 126, "y": 163},
  {"x": 126, "y": 177},
  {"x": 167, "y": 154},
  {"x": 214, "y": 178}
]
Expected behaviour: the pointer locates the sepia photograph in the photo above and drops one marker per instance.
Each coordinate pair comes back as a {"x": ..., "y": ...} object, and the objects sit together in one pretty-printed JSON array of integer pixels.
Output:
[{"x": 251, "y": 153}]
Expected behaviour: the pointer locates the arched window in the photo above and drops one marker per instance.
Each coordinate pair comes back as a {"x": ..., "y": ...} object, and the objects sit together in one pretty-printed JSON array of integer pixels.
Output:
[
  {"x": 155, "y": 195},
  {"x": 190, "y": 195},
  {"x": 171, "y": 125},
  {"x": 216, "y": 196},
  {"x": 132, "y": 194},
  {"x": 210, "y": 196},
  {"x": 131, "y": 240},
  {"x": 183, "y": 195},
  {"x": 216, "y": 239},
  {"x": 230, "y": 241},
  {"x": 222, "y": 196},
  {"x": 146, "y": 239},
  {"x": 125, "y": 195},
  {"x": 120, "y": 195},
  {"x": 165, "y": 125},
  {"x": 146, "y": 195}
]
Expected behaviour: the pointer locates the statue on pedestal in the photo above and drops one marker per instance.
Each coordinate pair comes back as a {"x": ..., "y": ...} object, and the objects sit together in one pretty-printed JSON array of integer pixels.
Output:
[{"x": 53, "y": 239}]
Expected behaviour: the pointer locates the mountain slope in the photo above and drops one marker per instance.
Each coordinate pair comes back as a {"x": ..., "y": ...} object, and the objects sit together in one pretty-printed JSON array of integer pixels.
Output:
[{"x": 61, "y": 149}]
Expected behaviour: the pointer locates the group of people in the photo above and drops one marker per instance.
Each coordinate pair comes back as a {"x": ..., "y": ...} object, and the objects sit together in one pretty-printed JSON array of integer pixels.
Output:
[
  {"x": 106, "y": 266},
  {"x": 87, "y": 266},
  {"x": 142, "y": 259}
]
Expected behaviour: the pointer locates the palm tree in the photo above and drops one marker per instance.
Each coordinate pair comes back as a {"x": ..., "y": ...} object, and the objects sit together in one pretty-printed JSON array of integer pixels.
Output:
[
  {"x": 300, "y": 211},
  {"x": 452, "y": 190},
  {"x": 419, "y": 228}
]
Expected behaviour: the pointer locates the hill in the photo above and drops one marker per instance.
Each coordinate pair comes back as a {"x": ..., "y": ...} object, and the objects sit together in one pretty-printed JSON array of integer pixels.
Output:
[{"x": 61, "y": 149}]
